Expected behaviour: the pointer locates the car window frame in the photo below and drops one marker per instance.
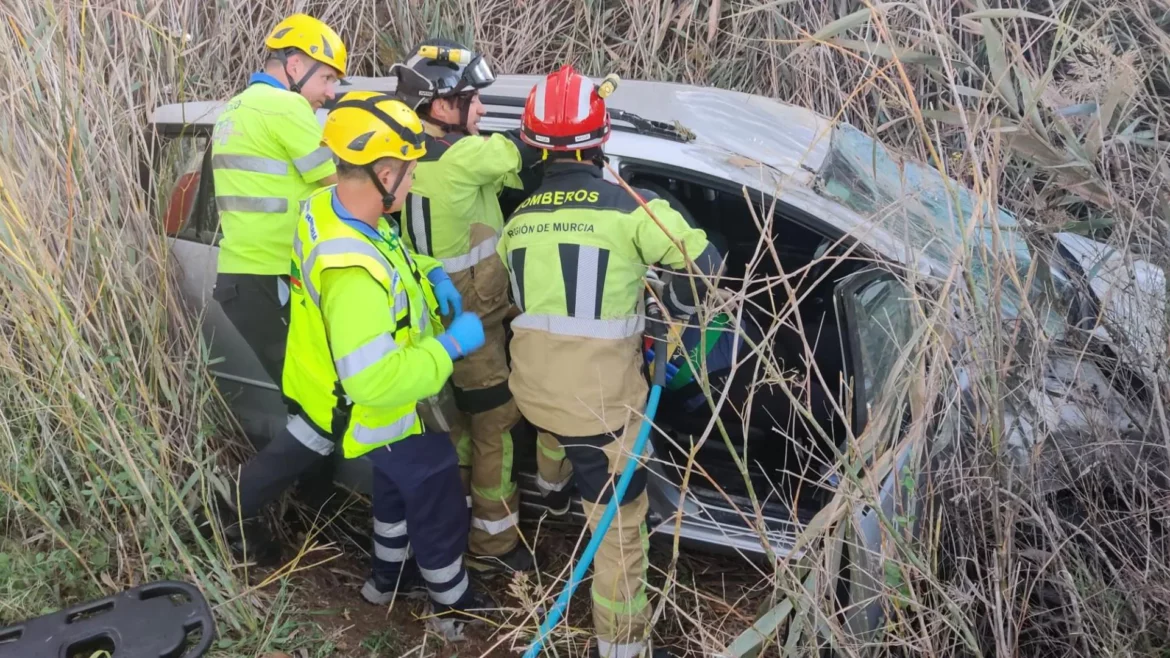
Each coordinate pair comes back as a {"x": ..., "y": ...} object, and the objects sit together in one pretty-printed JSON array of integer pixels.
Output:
[
  {"x": 628, "y": 166},
  {"x": 195, "y": 226},
  {"x": 990, "y": 241},
  {"x": 845, "y": 298}
]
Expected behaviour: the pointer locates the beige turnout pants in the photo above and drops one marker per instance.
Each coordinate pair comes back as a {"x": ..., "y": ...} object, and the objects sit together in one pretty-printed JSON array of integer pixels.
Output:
[
  {"x": 621, "y": 611},
  {"x": 583, "y": 395},
  {"x": 482, "y": 433},
  {"x": 554, "y": 471}
]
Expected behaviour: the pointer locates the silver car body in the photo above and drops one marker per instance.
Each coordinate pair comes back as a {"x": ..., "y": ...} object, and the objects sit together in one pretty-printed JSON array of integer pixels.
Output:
[{"x": 772, "y": 149}]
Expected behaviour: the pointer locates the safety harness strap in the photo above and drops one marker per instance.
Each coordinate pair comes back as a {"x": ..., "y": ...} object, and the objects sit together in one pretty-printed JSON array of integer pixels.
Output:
[{"x": 480, "y": 400}]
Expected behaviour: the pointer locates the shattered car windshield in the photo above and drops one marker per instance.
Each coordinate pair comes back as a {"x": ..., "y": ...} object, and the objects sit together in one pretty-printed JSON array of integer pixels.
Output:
[{"x": 864, "y": 176}]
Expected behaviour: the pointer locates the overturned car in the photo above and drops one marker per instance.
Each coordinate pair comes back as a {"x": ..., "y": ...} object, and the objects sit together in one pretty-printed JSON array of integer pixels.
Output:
[{"x": 853, "y": 239}]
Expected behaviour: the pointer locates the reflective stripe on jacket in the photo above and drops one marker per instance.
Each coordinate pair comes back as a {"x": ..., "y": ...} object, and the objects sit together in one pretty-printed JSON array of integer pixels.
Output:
[
  {"x": 266, "y": 157},
  {"x": 453, "y": 211},
  {"x": 357, "y": 370}
]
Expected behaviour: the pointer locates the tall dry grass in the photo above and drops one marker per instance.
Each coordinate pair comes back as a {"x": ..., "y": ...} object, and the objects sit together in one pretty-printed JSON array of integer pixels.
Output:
[{"x": 109, "y": 421}]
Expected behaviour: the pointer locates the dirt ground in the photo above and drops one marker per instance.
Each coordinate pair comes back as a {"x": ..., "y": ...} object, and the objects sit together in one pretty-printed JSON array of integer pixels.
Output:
[{"x": 722, "y": 592}]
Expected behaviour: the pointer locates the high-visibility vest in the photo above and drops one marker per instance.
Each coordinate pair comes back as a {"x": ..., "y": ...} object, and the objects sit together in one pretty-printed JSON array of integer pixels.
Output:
[
  {"x": 259, "y": 183},
  {"x": 311, "y": 378}
]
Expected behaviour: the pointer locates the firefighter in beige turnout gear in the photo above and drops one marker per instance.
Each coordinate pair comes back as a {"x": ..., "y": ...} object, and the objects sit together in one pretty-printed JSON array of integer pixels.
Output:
[
  {"x": 578, "y": 252},
  {"x": 453, "y": 214}
]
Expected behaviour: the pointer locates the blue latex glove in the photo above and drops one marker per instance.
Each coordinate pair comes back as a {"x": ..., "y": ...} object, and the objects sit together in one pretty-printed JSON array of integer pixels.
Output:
[
  {"x": 464, "y": 336},
  {"x": 671, "y": 369},
  {"x": 445, "y": 292}
]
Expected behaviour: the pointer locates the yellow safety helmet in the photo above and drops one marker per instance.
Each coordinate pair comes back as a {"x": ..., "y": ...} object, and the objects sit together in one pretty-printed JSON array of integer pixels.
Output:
[
  {"x": 366, "y": 126},
  {"x": 312, "y": 37}
]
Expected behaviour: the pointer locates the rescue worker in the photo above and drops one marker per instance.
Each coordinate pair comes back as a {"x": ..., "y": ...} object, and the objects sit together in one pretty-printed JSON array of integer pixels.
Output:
[
  {"x": 578, "y": 251},
  {"x": 453, "y": 214},
  {"x": 266, "y": 158},
  {"x": 366, "y": 351}
]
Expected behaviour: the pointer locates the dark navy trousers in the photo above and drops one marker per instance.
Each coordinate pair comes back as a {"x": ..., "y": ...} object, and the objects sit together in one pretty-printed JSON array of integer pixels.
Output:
[{"x": 420, "y": 512}]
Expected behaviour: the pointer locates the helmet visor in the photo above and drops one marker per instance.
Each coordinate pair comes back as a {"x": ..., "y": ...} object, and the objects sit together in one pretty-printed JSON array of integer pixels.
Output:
[{"x": 478, "y": 74}]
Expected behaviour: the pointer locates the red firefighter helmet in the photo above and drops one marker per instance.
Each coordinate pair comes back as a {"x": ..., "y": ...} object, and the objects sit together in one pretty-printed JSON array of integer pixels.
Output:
[{"x": 564, "y": 112}]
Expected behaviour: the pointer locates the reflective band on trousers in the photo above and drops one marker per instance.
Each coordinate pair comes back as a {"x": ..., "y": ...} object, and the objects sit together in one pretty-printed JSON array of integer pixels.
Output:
[
  {"x": 625, "y": 608},
  {"x": 252, "y": 163},
  {"x": 367, "y": 435},
  {"x": 608, "y": 649},
  {"x": 365, "y": 356},
  {"x": 338, "y": 246},
  {"x": 251, "y": 204},
  {"x": 564, "y": 325},
  {"x": 389, "y": 530},
  {"x": 556, "y": 454},
  {"x": 546, "y": 486},
  {"x": 312, "y": 160},
  {"x": 391, "y": 554},
  {"x": 442, "y": 575},
  {"x": 478, "y": 253},
  {"x": 496, "y": 527},
  {"x": 451, "y": 596},
  {"x": 308, "y": 437}
]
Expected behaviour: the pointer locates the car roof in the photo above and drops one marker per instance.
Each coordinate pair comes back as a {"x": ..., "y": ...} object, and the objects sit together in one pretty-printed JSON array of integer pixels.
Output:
[
  {"x": 749, "y": 140},
  {"x": 776, "y": 134},
  {"x": 765, "y": 145}
]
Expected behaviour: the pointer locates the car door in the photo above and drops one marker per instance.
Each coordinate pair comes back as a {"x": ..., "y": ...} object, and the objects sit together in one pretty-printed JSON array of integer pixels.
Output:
[
  {"x": 878, "y": 316},
  {"x": 879, "y": 319}
]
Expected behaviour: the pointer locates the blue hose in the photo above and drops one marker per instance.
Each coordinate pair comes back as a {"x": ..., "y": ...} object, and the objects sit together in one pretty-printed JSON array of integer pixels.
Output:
[{"x": 578, "y": 574}]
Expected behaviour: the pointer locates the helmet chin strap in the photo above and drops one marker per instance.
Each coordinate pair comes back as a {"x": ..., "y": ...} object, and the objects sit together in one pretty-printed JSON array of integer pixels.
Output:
[
  {"x": 296, "y": 86},
  {"x": 464, "y": 105},
  {"x": 464, "y": 111},
  {"x": 388, "y": 197}
]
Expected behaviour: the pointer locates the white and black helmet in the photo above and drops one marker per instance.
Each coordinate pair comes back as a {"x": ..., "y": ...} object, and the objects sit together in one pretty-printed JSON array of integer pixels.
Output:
[{"x": 440, "y": 68}]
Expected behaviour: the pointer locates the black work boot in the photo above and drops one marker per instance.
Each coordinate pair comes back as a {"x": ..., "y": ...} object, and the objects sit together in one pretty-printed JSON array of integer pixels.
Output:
[
  {"x": 382, "y": 590},
  {"x": 315, "y": 488},
  {"x": 558, "y": 501},
  {"x": 252, "y": 541},
  {"x": 471, "y": 610},
  {"x": 517, "y": 559}
]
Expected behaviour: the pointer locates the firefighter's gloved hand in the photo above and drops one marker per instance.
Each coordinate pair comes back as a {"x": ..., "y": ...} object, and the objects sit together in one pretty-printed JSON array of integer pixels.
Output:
[
  {"x": 671, "y": 369},
  {"x": 464, "y": 336},
  {"x": 445, "y": 292}
]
